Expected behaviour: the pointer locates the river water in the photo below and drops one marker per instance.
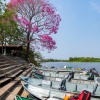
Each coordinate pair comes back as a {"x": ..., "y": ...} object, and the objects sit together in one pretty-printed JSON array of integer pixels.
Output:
[{"x": 86, "y": 65}]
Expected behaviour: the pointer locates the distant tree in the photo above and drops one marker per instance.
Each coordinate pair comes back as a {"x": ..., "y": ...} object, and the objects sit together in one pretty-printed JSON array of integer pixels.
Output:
[
  {"x": 39, "y": 20},
  {"x": 7, "y": 24},
  {"x": 70, "y": 59},
  {"x": 8, "y": 28},
  {"x": 34, "y": 57},
  {"x": 2, "y": 6}
]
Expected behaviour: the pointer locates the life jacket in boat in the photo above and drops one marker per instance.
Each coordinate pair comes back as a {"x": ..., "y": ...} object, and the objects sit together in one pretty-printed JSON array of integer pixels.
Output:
[
  {"x": 66, "y": 97},
  {"x": 85, "y": 95}
]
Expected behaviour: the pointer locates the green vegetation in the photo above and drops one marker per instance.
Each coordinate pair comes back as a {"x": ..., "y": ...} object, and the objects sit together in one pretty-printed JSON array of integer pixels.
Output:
[
  {"x": 84, "y": 59},
  {"x": 34, "y": 57},
  {"x": 52, "y": 60},
  {"x": 12, "y": 34},
  {"x": 74, "y": 59}
]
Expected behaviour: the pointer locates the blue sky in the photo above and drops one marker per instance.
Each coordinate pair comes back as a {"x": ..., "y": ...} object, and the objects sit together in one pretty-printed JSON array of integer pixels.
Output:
[{"x": 79, "y": 30}]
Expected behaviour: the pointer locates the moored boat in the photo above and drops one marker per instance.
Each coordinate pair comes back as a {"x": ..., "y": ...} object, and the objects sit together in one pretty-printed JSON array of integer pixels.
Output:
[
  {"x": 42, "y": 93},
  {"x": 52, "y": 75},
  {"x": 81, "y": 77},
  {"x": 63, "y": 85},
  {"x": 38, "y": 74},
  {"x": 17, "y": 97}
]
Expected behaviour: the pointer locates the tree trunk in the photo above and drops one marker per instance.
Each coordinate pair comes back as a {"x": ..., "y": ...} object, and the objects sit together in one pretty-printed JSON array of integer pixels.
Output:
[
  {"x": 27, "y": 48},
  {"x": 2, "y": 48}
]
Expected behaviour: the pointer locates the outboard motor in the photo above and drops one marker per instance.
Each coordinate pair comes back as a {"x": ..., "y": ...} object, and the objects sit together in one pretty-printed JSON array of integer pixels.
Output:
[
  {"x": 94, "y": 71},
  {"x": 70, "y": 76},
  {"x": 73, "y": 74},
  {"x": 91, "y": 77},
  {"x": 63, "y": 85}
]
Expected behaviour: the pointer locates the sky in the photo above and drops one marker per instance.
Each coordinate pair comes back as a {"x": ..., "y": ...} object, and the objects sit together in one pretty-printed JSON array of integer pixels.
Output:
[{"x": 79, "y": 30}]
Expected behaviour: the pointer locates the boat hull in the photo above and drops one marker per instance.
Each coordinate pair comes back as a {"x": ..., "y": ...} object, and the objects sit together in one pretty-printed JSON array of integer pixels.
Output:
[{"x": 22, "y": 98}]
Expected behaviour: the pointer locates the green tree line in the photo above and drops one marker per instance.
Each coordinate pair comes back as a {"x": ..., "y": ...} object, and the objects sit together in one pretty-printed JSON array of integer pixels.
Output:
[
  {"x": 73, "y": 59},
  {"x": 84, "y": 59}
]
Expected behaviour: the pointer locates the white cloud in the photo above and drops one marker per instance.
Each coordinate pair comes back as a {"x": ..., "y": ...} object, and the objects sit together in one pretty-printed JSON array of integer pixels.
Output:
[{"x": 95, "y": 6}]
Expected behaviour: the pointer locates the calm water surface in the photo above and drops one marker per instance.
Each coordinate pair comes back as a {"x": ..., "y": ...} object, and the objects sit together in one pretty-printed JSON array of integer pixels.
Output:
[{"x": 86, "y": 65}]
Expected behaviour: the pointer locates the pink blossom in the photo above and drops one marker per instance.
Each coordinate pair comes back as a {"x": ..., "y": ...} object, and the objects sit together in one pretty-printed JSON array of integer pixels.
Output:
[
  {"x": 35, "y": 29},
  {"x": 38, "y": 17},
  {"x": 47, "y": 42}
]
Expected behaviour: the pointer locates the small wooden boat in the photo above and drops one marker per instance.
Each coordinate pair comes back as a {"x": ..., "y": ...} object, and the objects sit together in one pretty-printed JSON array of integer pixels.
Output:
[{"x": 21, "y": 98}]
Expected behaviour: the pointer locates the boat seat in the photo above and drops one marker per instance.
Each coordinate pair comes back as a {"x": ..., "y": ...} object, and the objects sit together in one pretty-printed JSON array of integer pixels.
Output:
[
  {"x": 61, "y": 75},
  {"x": 95, "y": 88},
  {"x": 46, "y": 84},
  {"x": 98, "y": 90},
  {"x": 55, "y": 98},
  {"x": 92, "y": 90},
  {"x": 53, "y": 75},
  {"x": 70, "y": 86},
  {"x": 46, "y": 73},
  {"x": 81, "y": 87},
  {"x": 56, "y": 84}
]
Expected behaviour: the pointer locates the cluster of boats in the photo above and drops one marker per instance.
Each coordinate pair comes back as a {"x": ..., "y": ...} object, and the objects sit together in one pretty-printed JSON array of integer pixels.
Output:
[{"x": 61, "y": 85}]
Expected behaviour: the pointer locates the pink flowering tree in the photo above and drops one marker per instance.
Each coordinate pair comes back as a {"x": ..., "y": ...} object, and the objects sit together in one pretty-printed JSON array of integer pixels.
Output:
[{"x": 38, "y": 19}]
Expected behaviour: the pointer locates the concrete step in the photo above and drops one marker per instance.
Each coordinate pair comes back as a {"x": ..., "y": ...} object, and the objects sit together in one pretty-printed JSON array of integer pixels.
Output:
[
  {"x": 2, "y": 76},
  {"x": 26, "y": 72},
  {"x": 2, "y": 70},
  {"x": 14, "y": 71},
  {"x": 15, "y": 92},
  {"x": 15, "y": 74},
  {"x": 5, "y": 65},
  {"x": 4, "y": 81},
  {"x": 24, "y": 93},
  {"x": 5, "y": 90},
  {"x": 1, "y": 63},
  {"x": 11, "y": 83},
  {"x": 29, "y": 74}
]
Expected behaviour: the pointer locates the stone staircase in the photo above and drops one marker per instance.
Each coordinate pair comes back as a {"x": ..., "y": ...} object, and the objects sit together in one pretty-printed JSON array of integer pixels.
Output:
[{"x": 10, "y": 83}]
